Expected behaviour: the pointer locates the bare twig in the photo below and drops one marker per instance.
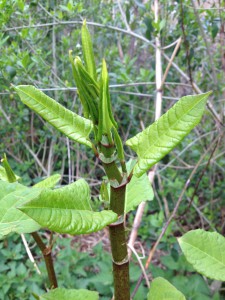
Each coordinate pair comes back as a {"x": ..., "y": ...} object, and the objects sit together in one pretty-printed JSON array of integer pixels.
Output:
[
  {"x": 123, "y": 15},
  {"x": 178, "y": 203},
  {"x": 141, "y": 265},
  {"x": 165, "y": 227},
  {"x": 208, "y": 48},
  {"x": 131, "y": 33},
  {"x": 171, "y": 61},
  {"x": 47, "y": 253},
  {"x": 30, "y": 254},
  {"x": 201, "y": 175},
  {"x": 35, "y": 158},
  {"x": 158, "y": 107}
]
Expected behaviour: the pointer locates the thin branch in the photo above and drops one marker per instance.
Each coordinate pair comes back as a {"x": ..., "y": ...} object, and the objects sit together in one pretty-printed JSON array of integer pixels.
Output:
[
  {"x": 158, "y": 109},
  {"x": 185, "y": 149},
  {"x": 172, "y": 44},
  {"x": 171, "y": 61},
  {"x": 5, "y": 114},
  {"x": 141, "y": 265},
  {"x": 30, "y": 254},
  {"x": 165, "y": 227},
  {"x": 35, "y": 158},
  {"x": 131, "y": 33},
  {"x": 47, "y": 253},
  {"x": 123, "y": 16},
  {"x": 201, "y": 176},
  {"x": 208, "y": 47}
]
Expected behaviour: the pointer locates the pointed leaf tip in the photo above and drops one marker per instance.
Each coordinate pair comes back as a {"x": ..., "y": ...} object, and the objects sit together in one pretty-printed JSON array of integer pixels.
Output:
[
  {"x": 157, "y": 140},
  {"x": 88, "y": 51},
  {"x": 84, "y": 22},
  {"x": 11, "y": 177},
  {"x": 161, "y": 289},
  {"x": 72, "y": 125}
]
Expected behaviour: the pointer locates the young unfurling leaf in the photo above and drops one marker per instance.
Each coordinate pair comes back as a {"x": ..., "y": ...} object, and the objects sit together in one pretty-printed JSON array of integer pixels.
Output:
[
  {"x": 88, "y": 51},
  {"x": 88, "y": 90},
  {"x": 106, "y": 121},
  {"x": 11, "y": 177},
  {"x": 78, "y": 84}
]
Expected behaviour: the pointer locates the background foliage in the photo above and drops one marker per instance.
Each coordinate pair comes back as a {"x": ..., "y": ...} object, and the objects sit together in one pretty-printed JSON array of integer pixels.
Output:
[{"x": 34, "y": 42}]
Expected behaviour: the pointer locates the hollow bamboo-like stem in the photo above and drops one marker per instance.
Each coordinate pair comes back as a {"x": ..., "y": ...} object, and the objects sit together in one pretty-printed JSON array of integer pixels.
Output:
[
  {"x": 117, "y": 229},
  {"x": 47, "y": 254}
]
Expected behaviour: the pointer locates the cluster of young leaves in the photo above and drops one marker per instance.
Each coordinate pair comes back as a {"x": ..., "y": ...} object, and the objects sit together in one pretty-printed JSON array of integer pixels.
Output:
[
  {"x": 143, "y": 159},
  {"x": 161, "y": 137}
]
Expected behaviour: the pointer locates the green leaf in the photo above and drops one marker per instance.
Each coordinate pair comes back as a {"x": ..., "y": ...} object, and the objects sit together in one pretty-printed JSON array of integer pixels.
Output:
[
  {"x": 11, "y": 219},
  {"x": 3, "y": 175},
  {"x": 11, "y": 177},
  {"x": 161, "y": 289},
  {"x": 68, "y": 210},
  {"x": 64, "y": 294},
  {"x": 153, "y": 143},
  {"x": 87, "y": 88},
  {"x": 78, "y": 82},
  {"x": 206, "y": 252},
  {"x": 106, "y": 119},
  {"x": 138, "y": 190},
  {"x": 88, "y": 51},
  {"x": 49, "y": 182},
  {"x": 73, "y": 126}
]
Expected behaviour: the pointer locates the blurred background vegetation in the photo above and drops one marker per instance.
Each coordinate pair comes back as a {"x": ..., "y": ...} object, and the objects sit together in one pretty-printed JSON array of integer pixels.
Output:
[{"x": 35, "y": 38}]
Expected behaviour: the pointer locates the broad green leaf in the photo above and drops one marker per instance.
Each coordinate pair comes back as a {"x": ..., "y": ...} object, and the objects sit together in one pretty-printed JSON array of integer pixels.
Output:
[
  {"x": 153, "y": 143},
  {"x": 64, "y": 294},
  {"x": 68, "y": 210},
  {"x": 11, "y": 219},
  {"x": 49, "y": 182},
  {"x": 138, "y": 190},
  {"x": 206, "y": 252},
  {"x": 161, "y": 289},
  {"x": 73, "y": 126}
]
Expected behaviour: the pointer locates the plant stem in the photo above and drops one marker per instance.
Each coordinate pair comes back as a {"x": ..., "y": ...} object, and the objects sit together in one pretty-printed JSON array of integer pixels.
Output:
[
  {"x": 117, "y": 229},
  {"x": 47, "y": 253}
]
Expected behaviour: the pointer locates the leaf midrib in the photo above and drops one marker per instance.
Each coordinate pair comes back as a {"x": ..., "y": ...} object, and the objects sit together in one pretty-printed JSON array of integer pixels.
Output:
[
  {"x": 24, "y": 208},
  {"x": 219, "y": 262},
  {"x": 46, "y": 107},
  {"x": 169, "y": 128}
]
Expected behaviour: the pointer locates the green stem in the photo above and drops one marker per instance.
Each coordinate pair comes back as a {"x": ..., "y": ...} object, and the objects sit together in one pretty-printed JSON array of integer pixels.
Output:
[
  {"x": 117, "y": 229},
  {"x": 47, "y": 253}
]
